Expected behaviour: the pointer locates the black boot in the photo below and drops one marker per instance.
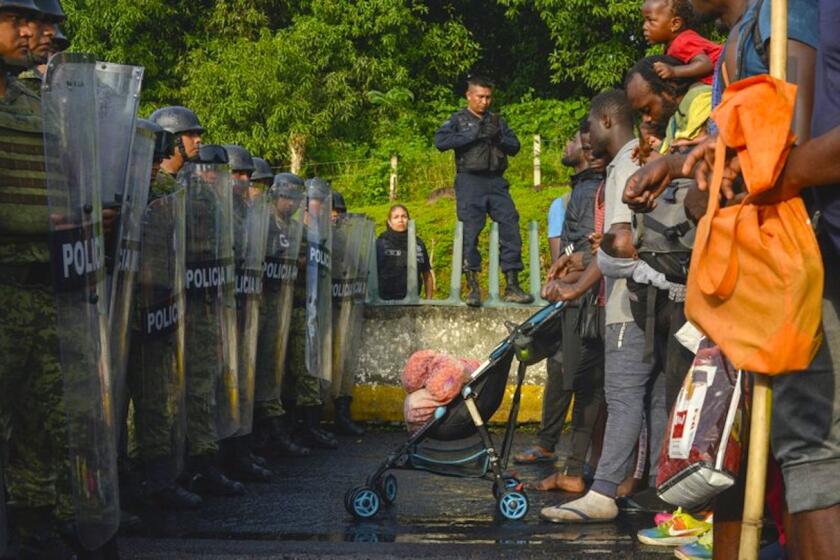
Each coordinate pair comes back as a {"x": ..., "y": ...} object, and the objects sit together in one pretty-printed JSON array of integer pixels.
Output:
[
  {"x": 238, "y": 461},
  {"x": 39, "y": 535},
  {"x": 276, "y": 439},
  {"x": 161, "y": 489},
  {"x": 313, "y": 435},
  {"x": 513, "y": 293},
  {"x": 344, "y": 425},
  {"x": 474, "y": 295},
  {"x": 207, "y": 478}
]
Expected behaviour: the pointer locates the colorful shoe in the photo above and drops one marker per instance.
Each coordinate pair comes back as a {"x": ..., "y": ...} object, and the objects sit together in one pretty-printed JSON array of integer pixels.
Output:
[
  {"x": 682, "y": 528},
  {"x": 700, "y": 550}
]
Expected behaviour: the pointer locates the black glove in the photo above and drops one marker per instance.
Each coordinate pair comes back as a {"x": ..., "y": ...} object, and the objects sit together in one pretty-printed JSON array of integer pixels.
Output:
[{"x": 490, "y": 128}]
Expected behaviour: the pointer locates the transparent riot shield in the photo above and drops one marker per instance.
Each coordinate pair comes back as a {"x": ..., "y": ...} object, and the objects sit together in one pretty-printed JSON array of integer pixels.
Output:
[
  {"x": 4, "y": 534},
  {"x": 156, "y": 369},
  {"x": 318, "y": 282},
  {"x": 211, "y": 356},
  {"x": 350, "y": 353},
  {"x": 285, "y": 226},
  {"x": 138, "y": 177},
  {"x": 346, "y": 243},
  {"x": 250, "y": 217},
  {"x": 77, "y": 259}
]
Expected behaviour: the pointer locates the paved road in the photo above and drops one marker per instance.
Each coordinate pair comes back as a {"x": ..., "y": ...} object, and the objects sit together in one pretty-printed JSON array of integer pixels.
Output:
[{"x": 301, "y": 515}]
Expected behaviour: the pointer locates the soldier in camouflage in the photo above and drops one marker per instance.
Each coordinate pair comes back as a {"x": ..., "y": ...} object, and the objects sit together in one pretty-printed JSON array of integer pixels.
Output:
[
  {"x": 153, "y": 415},
  {"x": 273, "y": 434},
  {"x": 33, "y": 425},
  {"x": 307, "y": 389},
  {"x": 42, "y": 43}
]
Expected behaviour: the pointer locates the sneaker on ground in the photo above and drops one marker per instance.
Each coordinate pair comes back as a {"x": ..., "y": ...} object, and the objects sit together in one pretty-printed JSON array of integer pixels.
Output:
[
  {"x": 699, "y": 550},
  {"x": 682, "y": 528}
]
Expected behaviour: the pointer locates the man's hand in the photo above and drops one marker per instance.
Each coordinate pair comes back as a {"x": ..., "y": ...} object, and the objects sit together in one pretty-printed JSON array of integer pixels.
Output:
[
  {"x": 646, "y": 184},
  {"x": 595, "y": 242},
  {"x": 665, "y": 71},
  {"x": 701, "y": 163},
  {"x": 564, "y": 265},
  {"x": 490, "y": 128},
  {"x": 557, "y": 290}
]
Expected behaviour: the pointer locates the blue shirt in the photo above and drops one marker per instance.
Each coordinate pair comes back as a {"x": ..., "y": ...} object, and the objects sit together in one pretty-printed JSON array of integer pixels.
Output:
[
  {"x": 803, "y": 26},
  {"x": 556, "y": 217},
  {"x": 826, "y": 117}
]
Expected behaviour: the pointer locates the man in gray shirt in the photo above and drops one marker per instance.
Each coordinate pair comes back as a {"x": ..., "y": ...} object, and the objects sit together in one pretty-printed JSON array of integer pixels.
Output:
[{"x": 630, "y": 383}]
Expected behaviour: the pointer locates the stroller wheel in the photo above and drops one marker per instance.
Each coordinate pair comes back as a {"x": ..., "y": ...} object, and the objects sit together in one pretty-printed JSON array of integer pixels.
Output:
[
  {"x": 388, "y": 488},
  {"x": 511, "y": 482},
  {"x": 363, "y": 502},
  {"x": 513, "y": 505}
]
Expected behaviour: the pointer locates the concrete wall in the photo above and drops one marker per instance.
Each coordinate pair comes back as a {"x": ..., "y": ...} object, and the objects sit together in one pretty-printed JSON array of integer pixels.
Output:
[{"x": 392, "y": 334}]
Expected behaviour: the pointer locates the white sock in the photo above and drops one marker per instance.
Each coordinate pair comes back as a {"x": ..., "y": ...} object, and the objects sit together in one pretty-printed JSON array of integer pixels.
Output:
[{"x": 592, "y": 506}]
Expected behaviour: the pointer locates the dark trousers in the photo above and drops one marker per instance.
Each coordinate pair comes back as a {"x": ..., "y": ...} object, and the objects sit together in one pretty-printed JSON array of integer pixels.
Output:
[
  {"x": 678, "y": 358},
  {"x": 584, "y": 362},
  {"x": 581, "y": 374},
  {"x": 478, "y": 196}
]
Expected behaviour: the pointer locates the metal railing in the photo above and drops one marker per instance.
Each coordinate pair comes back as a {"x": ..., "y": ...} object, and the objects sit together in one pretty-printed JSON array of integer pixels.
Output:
[{"x": 494, "y": 297}]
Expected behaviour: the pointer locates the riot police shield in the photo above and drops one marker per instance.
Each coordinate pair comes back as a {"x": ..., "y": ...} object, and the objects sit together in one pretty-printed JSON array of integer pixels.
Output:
[
  {"x": 346, "y": 243},
  {"x": 285, "y": 228},
  {"x": 318, "y": 327},
  {"x": 156, "y": 368},
  {"x": 350, "y": 353},
  {"x": 250, "y": 217},
  {"x": 211, "y": 356},
  {"x": 125, "y": 268},
  {"x": 77, "y": 259}
]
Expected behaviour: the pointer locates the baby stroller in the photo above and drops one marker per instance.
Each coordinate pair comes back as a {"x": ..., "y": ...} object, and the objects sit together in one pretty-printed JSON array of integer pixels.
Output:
[{"x": 447, "y": 444}]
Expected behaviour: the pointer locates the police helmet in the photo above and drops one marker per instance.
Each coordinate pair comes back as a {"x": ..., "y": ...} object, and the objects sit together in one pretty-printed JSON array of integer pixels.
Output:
[
  {"x": 287, "y": 185},
  {"x": 338, "y": 203},
  {"x": 164, "y": 140},
  {"x": 51, "y": 10},
  {"x": 262, "y": 171},
  {"x": 212, "y": 154},
  {"x": 26, "y": 5},
  {"x": 239, "y": 158},
  {"x": 177, "y": 120},
  {"x": 62, "y": 43},
  {"x": 317, "y": 188}
]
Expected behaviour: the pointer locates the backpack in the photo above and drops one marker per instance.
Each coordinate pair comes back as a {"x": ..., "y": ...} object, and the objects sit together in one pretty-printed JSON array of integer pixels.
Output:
[{"x": 663, "y": 239}]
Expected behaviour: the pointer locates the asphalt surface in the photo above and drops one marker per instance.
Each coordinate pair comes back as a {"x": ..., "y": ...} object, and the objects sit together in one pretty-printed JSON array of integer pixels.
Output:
[{"x": 301, "y": 515}]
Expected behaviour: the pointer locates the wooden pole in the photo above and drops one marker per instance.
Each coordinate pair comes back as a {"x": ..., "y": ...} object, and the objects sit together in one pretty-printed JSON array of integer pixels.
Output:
[
  {"x": 537, "y": 167},
  {"x": 392, "y": 190},
  {"x": 762, "y": 391}
]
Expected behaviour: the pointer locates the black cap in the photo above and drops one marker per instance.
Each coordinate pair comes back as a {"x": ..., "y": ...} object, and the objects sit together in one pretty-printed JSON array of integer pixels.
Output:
[{"x": 27, "y": 5}]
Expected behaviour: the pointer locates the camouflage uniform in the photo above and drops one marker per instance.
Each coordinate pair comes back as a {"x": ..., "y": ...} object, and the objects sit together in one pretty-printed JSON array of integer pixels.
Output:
[
  {"x": 154, "y": 417},
  {"x": 32, "y": 416},
  {"x": 305, "y": 388},
  {"x": 31, "y": 79}
]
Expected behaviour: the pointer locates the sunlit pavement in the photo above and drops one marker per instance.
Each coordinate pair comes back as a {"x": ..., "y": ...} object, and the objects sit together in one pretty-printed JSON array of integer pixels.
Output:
[{"x": 302, "y": 515}]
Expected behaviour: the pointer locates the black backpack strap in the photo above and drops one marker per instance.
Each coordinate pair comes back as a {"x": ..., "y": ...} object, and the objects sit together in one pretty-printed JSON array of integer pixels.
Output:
[
  {"x": 650, "y": 323},
  {"x": 672, "y": 233},
  {"x": 754, "y": 34}
]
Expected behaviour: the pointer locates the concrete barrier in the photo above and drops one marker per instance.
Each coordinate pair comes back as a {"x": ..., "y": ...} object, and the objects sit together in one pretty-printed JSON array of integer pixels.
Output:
[{"x": 392, "y": 334}]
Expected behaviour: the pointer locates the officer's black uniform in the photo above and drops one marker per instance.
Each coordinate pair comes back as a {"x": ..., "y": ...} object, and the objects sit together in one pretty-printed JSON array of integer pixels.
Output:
[{"x": 481, "y": 146}]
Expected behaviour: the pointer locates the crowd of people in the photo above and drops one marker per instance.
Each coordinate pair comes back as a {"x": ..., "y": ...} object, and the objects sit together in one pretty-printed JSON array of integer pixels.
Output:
[
  {"x": 643, "y": 162},
  {"x": 246, "y": 289}
]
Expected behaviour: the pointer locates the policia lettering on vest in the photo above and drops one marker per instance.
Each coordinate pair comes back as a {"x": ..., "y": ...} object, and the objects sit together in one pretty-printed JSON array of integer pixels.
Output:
[{"x": 482, "y": 142}]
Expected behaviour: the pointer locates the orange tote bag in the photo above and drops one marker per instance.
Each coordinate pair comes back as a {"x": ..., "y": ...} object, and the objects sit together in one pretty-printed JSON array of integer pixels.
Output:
[{"x": 756, "y": 278}]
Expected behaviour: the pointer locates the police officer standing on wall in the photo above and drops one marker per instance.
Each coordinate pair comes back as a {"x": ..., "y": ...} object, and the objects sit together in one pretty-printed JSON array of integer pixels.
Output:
[{"x": 482, "y": 142}]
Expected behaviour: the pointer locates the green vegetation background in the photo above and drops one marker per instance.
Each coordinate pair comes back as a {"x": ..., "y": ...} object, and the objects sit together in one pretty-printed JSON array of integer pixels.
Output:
[{"x": 344, "y": 84}]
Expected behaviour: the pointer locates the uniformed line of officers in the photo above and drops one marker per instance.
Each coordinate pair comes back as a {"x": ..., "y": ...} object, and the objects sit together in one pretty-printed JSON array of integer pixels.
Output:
[{"x": 173, "y": 312}]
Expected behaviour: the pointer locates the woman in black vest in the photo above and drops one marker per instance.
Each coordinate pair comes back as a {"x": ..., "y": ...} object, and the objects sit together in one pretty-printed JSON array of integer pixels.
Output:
[{"x": 391, "y": 255}]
